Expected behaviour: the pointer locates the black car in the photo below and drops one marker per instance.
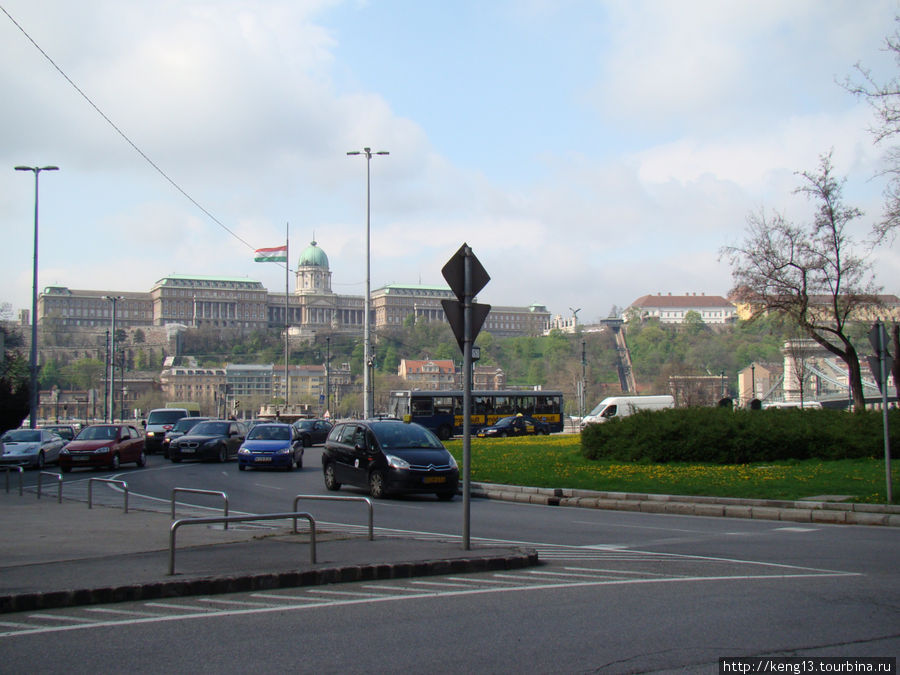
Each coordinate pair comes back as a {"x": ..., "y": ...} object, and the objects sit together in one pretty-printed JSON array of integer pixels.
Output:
[
  {"x": 515, "y": 425},
  {"x": 312, "y": 431},
  {"x": 182, "y": 426},
  {"x": 388, "y": 456},
  {"x": 213, "y": 439}
]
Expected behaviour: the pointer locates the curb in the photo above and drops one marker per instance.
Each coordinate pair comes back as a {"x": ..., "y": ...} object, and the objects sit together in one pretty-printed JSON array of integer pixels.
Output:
[
  {"x": 23, "y": 602},
  {"x": 807, "y": 511}
]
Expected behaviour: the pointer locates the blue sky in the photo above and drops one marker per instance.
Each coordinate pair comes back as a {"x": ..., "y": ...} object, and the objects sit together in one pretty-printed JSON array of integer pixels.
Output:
[{"x": 589, "y": 152}]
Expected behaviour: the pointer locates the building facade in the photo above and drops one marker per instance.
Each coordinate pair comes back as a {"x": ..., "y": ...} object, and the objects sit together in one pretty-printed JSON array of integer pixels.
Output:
[
  {"x": 674, "y": 308},
  {"x": 430, "y": 374},
  {"x": 245, "y": 305}
]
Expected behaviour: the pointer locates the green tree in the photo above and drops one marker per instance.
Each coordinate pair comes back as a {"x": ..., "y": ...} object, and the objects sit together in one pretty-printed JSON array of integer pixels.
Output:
[{"x": 15, "y": 393}]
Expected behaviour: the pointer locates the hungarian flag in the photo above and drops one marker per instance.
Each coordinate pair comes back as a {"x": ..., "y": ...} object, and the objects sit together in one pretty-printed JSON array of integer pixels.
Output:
[{"x": 277, "y": 254}]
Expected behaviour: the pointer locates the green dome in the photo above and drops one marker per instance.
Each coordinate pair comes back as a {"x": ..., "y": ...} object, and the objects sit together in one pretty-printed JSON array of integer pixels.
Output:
[{"x": 313, "y": 256}]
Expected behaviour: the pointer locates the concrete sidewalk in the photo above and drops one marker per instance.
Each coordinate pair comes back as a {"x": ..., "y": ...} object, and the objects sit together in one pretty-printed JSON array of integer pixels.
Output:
[{"x": 62, "y": 554}]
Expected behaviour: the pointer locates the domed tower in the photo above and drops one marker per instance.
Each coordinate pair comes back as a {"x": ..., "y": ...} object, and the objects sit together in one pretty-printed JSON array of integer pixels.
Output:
[{"x": 313, "y": 275}]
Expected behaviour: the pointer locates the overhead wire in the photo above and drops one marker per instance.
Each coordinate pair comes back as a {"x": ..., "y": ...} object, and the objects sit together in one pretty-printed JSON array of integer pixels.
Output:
[{"x": 124, "y": 136}]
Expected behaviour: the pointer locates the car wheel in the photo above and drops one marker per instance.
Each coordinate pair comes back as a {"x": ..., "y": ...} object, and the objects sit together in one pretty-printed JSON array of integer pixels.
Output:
[
  {"x": 223, "y": 455},
  {"x": 443, "y": 432},
  {"x": 65, "y": 469},
  {"x": 241, "y": 467},
  {"x": 376, "y": 485},
  {"x": 290, "y": 465},
  {"x": 307, "y": 442},
  {"x": 503, "y": 434},
  {"x": 331, "y": 482},
  {"x": 446, "y": 496},
  {"x": 176, "y": 459},
  {"x": 300, "y": 461},
  {"x": 41, "y": 461},
  {"x": 141, "y": 460},
  {"x": 114, "y": 465}
]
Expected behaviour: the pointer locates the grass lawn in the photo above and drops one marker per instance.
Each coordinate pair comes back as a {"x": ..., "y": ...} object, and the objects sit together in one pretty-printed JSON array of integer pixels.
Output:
[{"x": 556, "y": 462}]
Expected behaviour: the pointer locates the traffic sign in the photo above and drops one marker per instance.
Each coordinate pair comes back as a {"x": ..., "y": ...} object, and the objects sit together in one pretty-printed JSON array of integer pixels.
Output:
[
  {"x": 455, "y": 273},
  {"x": 455, "y": 312},
  {"x": 878, "y": 337}
]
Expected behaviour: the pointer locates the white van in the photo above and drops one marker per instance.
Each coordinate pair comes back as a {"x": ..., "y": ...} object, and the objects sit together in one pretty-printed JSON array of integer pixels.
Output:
[{"x": 622, "y": 406}]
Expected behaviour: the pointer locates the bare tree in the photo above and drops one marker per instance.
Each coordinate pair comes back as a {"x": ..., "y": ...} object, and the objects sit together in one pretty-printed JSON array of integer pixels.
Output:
[
  {"x": 885, "y": 99},
  {"x": 810, "y": 273}
]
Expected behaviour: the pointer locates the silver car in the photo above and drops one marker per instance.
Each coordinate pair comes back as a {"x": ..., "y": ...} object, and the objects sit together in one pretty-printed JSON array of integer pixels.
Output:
[{"x": 30, "y": 447}]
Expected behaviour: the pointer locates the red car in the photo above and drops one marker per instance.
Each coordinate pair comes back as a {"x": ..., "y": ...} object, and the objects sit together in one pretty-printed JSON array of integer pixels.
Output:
[{"x": 107, "y": 445}]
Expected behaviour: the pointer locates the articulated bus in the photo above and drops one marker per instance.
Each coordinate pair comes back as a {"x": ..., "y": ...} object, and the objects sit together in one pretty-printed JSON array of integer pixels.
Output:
[{"x": 442, "y": 411}]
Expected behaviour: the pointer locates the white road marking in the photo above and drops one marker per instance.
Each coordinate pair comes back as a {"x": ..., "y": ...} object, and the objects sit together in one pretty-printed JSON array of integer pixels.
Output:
[
  {"x": 109, "y": 610},
  {"x": 337, "y": 602}
]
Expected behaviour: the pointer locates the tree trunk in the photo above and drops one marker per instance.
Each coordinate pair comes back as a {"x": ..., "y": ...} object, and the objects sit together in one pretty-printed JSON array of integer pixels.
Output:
[{"x": 855, "y": 378}]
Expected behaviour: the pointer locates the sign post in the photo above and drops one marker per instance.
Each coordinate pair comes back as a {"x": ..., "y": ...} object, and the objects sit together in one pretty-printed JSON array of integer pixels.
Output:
[
  {"x": 466, "y": 278},
  {"x": 881, "y": 366}
]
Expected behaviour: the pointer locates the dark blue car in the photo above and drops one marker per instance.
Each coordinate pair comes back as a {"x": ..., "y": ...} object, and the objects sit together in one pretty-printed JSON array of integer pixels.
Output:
[{"x": 272, "y": 445}]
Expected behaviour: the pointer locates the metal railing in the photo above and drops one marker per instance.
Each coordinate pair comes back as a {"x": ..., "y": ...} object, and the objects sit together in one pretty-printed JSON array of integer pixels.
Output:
[
  {"x": 241, "y": 519},
  {"x": 334, "y": 498},
  {"x": 21, "y": 473},
  {"x": 121, "y": 483},
  {"x": 59, "y": 480},
  {"x": 201, "y": 492}
]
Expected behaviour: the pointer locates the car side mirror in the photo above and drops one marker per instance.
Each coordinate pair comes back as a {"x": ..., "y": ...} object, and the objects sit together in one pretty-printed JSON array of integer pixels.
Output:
[{"x": 144, "y": 423}]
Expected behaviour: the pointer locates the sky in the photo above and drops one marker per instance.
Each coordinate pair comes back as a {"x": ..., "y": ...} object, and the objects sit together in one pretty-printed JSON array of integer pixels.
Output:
[{"x": 590, "y": 152}]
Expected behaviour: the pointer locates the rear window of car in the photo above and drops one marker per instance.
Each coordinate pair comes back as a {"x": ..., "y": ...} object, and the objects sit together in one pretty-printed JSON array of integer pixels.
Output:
[{"x": 211, "y": 429}]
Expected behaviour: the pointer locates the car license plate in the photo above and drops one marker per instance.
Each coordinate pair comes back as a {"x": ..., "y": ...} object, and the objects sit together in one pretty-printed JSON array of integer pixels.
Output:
[
  {"x": 187, "y": 451},
  {"x": 262, "y": 459},
  {"x": 435, "y": 479},
  {"x": 79, "y": 458}
]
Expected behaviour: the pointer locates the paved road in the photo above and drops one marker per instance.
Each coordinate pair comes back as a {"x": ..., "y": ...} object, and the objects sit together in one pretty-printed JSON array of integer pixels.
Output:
[{"x": 620, "y": 592}]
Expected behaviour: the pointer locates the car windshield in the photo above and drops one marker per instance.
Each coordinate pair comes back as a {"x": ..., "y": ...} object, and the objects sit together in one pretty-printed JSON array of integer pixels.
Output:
[
  {"x": 266, "y": 432},
  {"x": 396, "y": 436},
  {"x": 97, "y": 434},
  {"x": 64, "y": 432},
  {"x": 165, "y": 416},
  {"x": 210, "y": 429},
  {"x": 305, "y": 424},
  {"x": 21, "y": 436},
  {"x": 505, "y": 422},
  {"x": 186, "y": 423}
]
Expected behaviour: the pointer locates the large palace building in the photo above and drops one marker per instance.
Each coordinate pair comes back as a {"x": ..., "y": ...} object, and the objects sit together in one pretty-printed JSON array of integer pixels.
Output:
[{"x": 245, "y": 305}]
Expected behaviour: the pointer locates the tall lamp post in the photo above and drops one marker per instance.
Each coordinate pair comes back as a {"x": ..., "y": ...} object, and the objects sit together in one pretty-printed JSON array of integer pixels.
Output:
[
  {"x": 111, "y": 379},
  {"x": 368, "y": 393},
  {"x": 32, "y": 420}
]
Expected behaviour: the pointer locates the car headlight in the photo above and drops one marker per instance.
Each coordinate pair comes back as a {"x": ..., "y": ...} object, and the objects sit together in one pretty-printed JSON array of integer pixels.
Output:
[
  {"x": 64, "y": 451},
  {"x": 150, "y": 434},
  {"x": 453, "y": 464},
  {"x": 101, "y": 451},
  {"x": 396, "y": 462},
  {"x": 243, "y": 451}
]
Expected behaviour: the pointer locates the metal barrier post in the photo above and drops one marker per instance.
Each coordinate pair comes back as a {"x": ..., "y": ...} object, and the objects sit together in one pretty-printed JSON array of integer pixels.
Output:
[
  {"x": 21, "y": 472},
  {"x": 240, "y": 519},
  {"x": 59, "y": 479},
  {"x": 333, "y": 498},
  {"x": 200, "y": 492},
  {"x": 106, "y": 480}
]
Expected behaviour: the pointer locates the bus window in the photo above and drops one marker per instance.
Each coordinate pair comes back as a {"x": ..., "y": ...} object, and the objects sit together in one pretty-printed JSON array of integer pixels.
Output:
[
  {"x": 443, "y": 405},
  {"x": 421, "y": 406},
  {"x": 525, "y": 405}
]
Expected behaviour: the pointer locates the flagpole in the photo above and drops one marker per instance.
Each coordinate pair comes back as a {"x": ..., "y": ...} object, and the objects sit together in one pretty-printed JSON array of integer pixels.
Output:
[{"x": 287, "y": 266}]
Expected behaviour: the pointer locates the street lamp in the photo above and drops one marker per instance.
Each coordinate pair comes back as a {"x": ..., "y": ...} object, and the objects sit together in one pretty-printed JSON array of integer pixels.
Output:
[
  {"x": 368, "y": 393},
  {"x": 111, "y": 379},
  {"x": 34, "y": 286}
]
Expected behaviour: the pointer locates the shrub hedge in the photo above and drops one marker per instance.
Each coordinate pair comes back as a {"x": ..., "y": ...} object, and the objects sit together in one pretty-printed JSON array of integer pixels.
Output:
[{"x": 723, "y": 436}]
